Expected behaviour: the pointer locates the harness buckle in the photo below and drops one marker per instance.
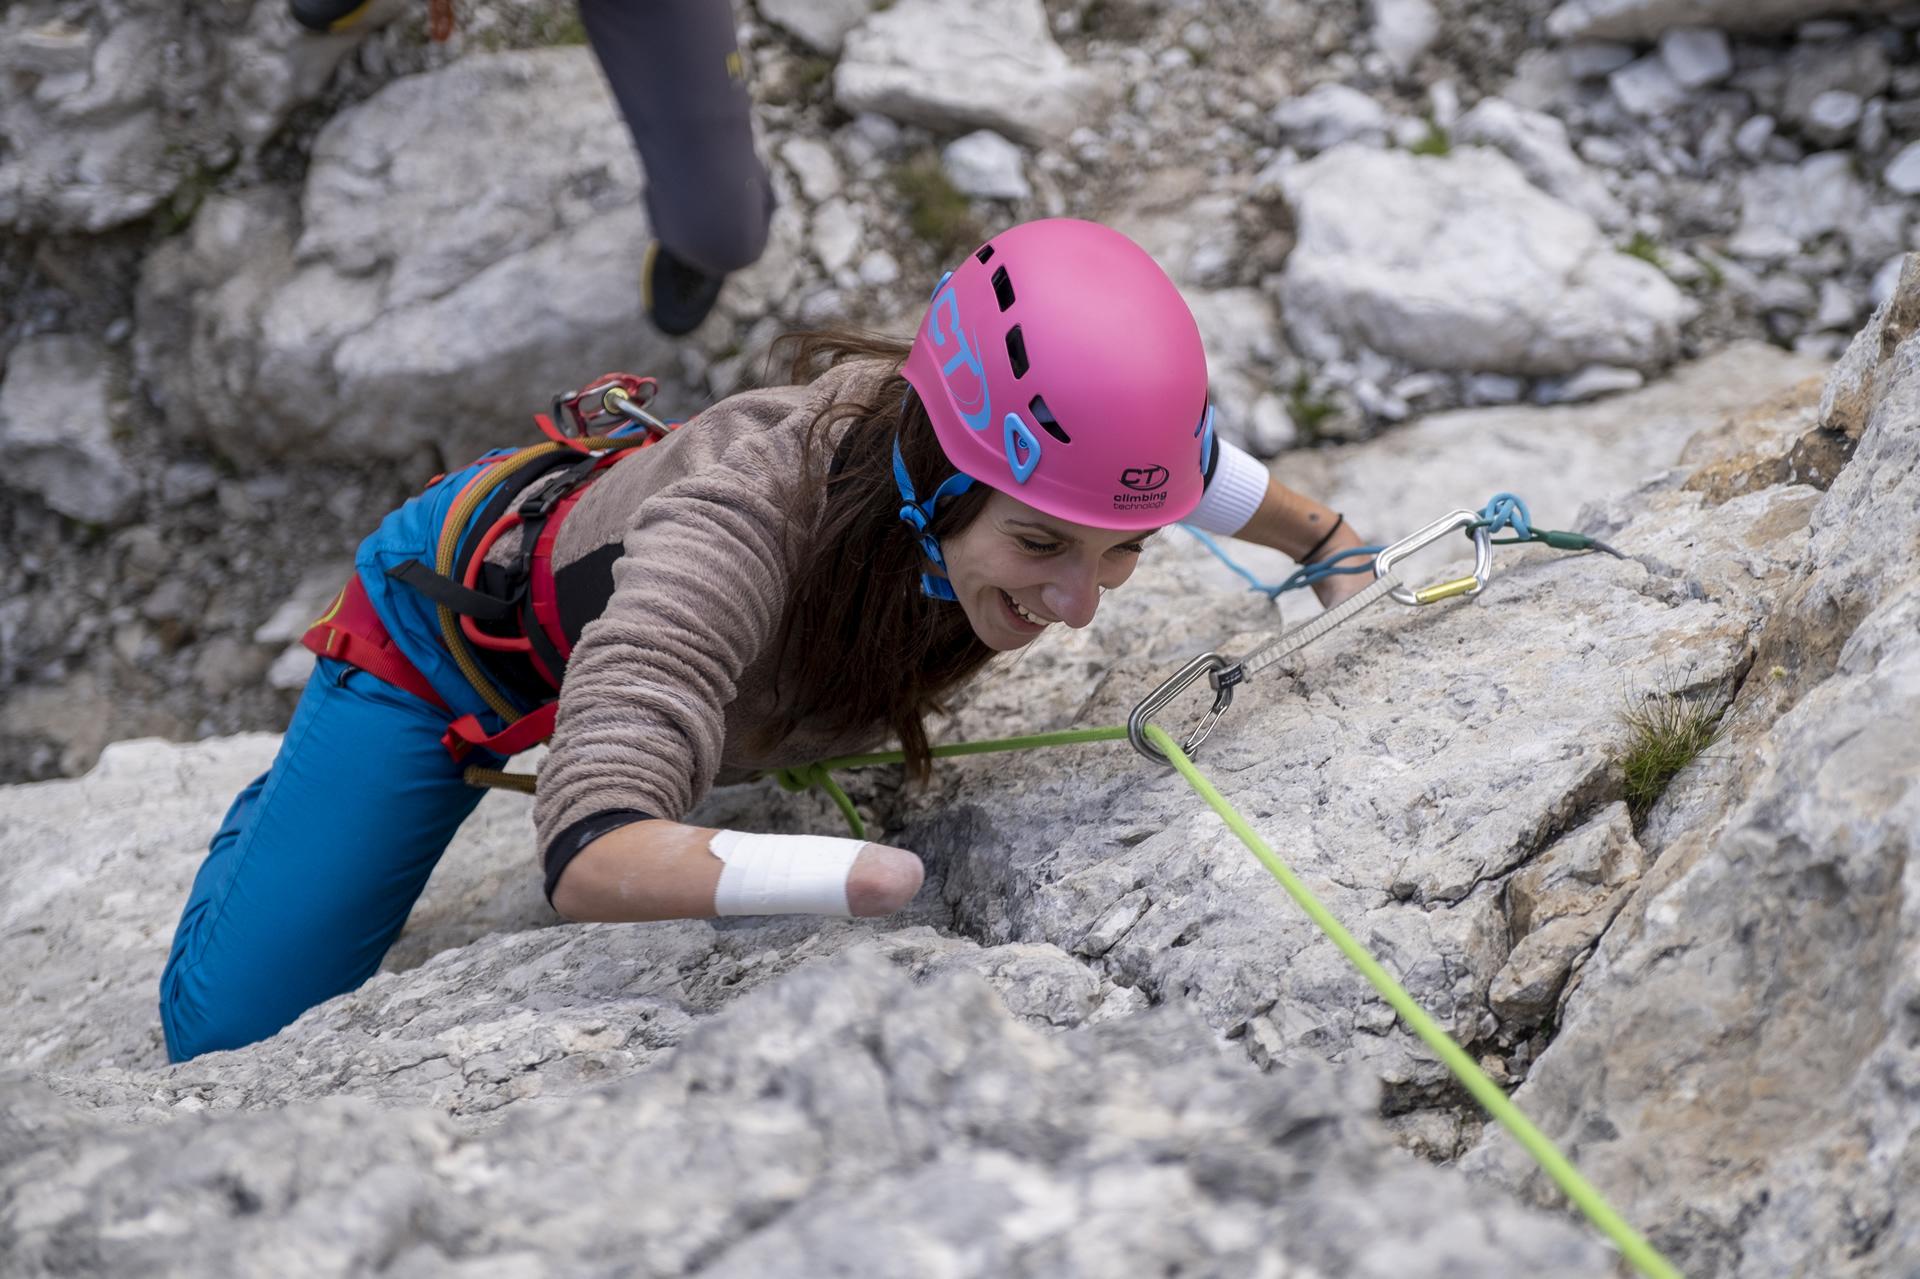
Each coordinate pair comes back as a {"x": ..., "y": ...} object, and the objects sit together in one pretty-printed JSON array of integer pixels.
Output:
[
  {"x": 1220, "y": 673},
  {"x": 608, "y": 403},
  {"x": 1473, "y": 585}
]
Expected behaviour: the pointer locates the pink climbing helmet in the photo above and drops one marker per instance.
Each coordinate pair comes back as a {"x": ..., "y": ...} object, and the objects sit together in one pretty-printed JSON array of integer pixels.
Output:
[{"x": 1060, "y": 365}]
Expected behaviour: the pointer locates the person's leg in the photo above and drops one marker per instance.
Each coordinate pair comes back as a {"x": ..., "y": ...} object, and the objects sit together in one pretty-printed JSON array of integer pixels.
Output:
[
  {"x": 675, "y": 68},
  {"x": 315, "y": 868}
]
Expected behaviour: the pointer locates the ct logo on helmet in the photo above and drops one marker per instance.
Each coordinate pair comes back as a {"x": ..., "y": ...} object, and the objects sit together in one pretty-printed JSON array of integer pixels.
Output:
[
  {"x": 1143, "y": 479},
  {"x": 970, "y": 389}
]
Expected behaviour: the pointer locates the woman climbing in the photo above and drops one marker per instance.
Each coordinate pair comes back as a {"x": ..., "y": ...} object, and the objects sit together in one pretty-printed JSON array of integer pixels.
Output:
[{"x": 793, "y": 574}]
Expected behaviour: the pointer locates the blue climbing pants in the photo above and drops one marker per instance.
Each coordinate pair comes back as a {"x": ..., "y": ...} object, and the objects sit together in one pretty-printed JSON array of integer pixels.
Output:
[
  {"x": 318, "y": 862},
  {"x": 316, "y": 866}
]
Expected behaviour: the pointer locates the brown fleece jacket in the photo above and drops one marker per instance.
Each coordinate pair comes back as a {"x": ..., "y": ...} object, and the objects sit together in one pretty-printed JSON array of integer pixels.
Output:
[{"x": 677, "y": 671}]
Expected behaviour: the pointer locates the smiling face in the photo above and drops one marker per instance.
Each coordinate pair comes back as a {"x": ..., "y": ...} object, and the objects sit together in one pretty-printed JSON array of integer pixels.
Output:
[{"x": 1016, "y": 571}]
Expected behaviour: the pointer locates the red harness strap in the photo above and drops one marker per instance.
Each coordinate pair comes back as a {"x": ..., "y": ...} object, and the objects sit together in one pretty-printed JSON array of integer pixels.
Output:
[
  {"x": 528, "y": 731},
  {"x": 351, "y": 632}
]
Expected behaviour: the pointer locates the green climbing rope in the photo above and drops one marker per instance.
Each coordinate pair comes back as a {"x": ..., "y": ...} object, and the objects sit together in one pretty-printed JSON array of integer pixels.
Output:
[
  {"x": 1641, "y": 1254},
  {"x": 821, "y": 774},
  {"x": 1636, "y": 1249}
]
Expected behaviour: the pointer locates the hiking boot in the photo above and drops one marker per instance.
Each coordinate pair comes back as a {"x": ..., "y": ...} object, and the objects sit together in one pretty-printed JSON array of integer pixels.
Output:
[
  {"x": 677, "y": 295},
  {"x": 332, "y": 17}
]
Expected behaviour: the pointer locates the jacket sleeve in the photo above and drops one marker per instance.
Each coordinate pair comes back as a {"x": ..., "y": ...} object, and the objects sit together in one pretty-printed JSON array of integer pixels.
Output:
[{"x": 699, "y": 592}]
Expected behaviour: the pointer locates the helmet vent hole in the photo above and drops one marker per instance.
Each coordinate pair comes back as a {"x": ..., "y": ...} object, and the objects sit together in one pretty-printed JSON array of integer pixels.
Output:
[
  {"x": 1044, "y": 416},
  {"x": 986, "y": 251},
  {"x": 1017, "y": 351},
  {"x": 1003, "y": 288}
]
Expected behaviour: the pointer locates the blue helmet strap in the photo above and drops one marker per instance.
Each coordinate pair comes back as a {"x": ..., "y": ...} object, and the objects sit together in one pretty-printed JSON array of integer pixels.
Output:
[{"x": 917, "y": 515}]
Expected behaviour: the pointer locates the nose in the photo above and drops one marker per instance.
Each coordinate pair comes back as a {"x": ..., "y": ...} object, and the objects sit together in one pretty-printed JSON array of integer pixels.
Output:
[{"x": 1074, "y": 596}]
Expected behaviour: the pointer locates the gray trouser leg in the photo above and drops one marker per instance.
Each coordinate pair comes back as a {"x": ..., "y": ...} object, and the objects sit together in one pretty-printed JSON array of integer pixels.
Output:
[{"x": 675, "y": 70}]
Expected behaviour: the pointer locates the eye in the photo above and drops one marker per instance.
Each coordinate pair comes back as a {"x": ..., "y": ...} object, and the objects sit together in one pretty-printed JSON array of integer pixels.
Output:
[
  {"x": 1131, "y": 548},
  {"x": 1037, "y": 548}
]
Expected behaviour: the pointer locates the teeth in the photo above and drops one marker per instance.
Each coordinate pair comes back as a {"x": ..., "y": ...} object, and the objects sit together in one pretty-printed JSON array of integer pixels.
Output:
[{"x": 1023, "y": 612}]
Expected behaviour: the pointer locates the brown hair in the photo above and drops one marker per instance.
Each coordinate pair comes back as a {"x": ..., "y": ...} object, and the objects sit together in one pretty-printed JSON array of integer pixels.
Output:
[{"x": 861, "y": 642}]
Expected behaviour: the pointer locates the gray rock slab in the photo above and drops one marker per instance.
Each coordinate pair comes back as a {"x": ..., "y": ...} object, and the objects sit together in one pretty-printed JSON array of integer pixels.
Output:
[
  {"x": 1403, "y": 30},
  {"x": 481, "y": 1003},
  {"x": 1538, "y": 143},
  {"x": 1649, "y": 19},
  {"x": 1458, "y": 262},
  {"x": 1738, "y": 1061},
  {"x": 1902, "y": 173},
  {"x": 1696, "y": 56},
  {"x": 1558, "y": 459},
  {"x": 101, "y": 131},
  {"x": 1647, "y": 88},
  {"x": 821, "y": 25},
  {"x": 847, "y": 1103},
  {"x": 1559, "y": 906},
  {"x": 954, "y": 68},
  {"x": 1404, "y": 766},
  {"x": 348, "y": 333},
  {"x": 1859, "y": 380},
  {"x": 57, "y": 411},
  {"x": 1329, "y": 115},
  {"x": 985, "y": 164}
]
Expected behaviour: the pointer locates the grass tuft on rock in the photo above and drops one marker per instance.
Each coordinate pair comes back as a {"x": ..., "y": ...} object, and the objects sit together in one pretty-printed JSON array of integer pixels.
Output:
[
  {"x": 1308, "y": 408},
  {"x": 1665, "y": 733},
  {"x": 938, "y": 213},
  {"x": 1436, "y": 140},
  {"x": 1643, "y": 246}
]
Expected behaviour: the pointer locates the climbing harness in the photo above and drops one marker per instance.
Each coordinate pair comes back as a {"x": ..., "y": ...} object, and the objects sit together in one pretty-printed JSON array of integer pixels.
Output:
[
  {"x": 588, "y": 431},
  {"x": 1503, "y": 510}
]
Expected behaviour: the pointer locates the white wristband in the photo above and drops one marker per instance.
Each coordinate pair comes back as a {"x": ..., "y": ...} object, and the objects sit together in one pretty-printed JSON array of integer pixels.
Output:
[
  {"x": 1233, "y": 494},
  {"x": 783, "y": 874}
]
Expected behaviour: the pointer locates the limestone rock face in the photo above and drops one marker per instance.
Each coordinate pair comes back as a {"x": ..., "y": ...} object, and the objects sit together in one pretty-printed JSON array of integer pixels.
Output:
[
  {"x": 1858, "y": 384},
  {"x": 819, "y": 24},
  {"x": 1468, "y": 267},
  {"x": 955, "y": 68},
  {"x": 1101, "y": 1037},
  {"x": 1538, "y": 144},
  {"x": 347, "y": 333},
  {"x": 1648, "y": 19},
  {"x": 56, "y": 411},
  {"x": 113, "y": 106},
  {"x": 846, "y": 1104},
  {"x": 1739, "y": 1057}
]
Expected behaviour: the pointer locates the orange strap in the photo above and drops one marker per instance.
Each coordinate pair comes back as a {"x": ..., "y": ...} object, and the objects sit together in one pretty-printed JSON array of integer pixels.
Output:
[
  {"x": 351, "y": 632},
  {"x": 439, "y": 19}
]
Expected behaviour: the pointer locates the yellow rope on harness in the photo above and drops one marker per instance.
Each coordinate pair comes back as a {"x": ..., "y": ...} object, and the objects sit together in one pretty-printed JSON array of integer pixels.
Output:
[
  {"x": 496, "y": 779},
  {"x": 445, "y": 555}
]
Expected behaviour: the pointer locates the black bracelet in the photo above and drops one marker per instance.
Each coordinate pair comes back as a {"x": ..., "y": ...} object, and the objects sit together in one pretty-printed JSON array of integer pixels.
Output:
[{"x": 1311, "y": 555}]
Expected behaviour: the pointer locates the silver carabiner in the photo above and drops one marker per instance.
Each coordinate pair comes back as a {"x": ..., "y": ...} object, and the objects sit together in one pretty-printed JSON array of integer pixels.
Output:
[
  {"x": 1220, "y": 673},
  {"x": 1482, "y": 559},
  {"x": 616, "y": 402}
]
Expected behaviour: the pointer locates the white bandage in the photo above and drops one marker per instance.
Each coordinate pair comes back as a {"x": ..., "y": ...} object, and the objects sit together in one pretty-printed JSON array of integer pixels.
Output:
[
  {"x": 782, "y": 874},
  {"x": 1233, "y": 494}
]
